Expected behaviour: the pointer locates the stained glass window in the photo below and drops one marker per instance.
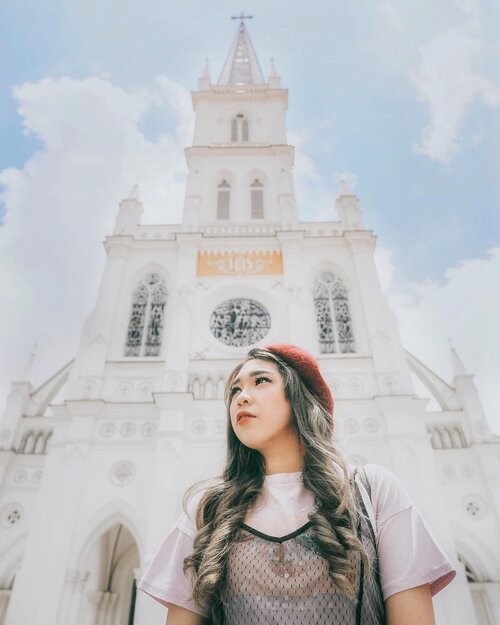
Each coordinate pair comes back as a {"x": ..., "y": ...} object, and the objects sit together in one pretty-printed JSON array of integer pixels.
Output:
[
  {"x": 148, "y": 308},
  {"x": 333, "y": 318},
  {"x": 240, "y": 322}
]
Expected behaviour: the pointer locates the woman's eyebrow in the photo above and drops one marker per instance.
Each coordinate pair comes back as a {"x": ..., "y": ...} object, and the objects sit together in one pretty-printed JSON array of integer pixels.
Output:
[{"x": 253, "y": 374}]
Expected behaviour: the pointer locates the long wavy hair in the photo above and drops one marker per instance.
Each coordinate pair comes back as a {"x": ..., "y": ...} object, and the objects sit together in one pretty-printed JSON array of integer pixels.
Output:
[{"x": 224, "y": 504}]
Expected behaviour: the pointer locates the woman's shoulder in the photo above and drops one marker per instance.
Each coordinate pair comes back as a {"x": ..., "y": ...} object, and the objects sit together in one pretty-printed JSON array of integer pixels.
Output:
[
  {"x": 388, "y": 495},
  {"x": 191, "y": 503}
]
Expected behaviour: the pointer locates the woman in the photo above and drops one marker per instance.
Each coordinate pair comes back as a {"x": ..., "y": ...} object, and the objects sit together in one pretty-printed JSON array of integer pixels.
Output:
[{"x": 289, "y": 534}]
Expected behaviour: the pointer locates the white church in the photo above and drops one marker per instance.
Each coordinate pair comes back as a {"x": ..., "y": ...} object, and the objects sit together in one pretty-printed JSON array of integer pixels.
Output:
[{"x": 95, "y": 461}]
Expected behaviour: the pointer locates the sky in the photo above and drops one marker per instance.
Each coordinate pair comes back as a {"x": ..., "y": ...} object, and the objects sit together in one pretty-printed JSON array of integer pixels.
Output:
[{"x": 400, "y": 98}]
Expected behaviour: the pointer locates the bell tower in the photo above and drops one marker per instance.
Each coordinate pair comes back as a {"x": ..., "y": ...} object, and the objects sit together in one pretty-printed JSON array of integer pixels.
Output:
[{"x": 240, "y": 164}]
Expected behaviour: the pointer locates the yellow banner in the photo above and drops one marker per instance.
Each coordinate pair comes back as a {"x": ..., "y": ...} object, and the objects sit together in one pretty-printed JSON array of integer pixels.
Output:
[{"x": 239, "y": 263}]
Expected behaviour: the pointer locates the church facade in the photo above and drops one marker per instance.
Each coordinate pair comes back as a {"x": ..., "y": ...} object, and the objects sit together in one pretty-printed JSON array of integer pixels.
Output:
[{"x": 95, "y": 461}]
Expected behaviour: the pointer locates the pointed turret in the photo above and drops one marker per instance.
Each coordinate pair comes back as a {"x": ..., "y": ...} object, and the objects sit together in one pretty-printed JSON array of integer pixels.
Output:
[
  {"x": 130, "y": 213},
  {"x": 344, "y": 188},
  {"x": 468, "y": 395},
  {"x": 274, "y": 79},
  {"x": 28, "y": 369},
  {"x": 348, "y": 208},
  {"x": 241, "y": 66},
  {"x": 458, "y": 365},
  {"x": 204, "y": 81}
]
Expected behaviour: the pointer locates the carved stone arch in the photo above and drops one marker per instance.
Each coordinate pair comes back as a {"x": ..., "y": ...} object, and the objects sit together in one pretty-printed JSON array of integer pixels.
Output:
[
  {"x": 436, "y": 439},
  {"x": 475, "y": 553},
  {"x": 48, "y": 436},
  {"x": 332, "y": 306},
  {"x": 145, "y": 270},
  {"x": 114, "y": 512},
  {"x": 108, "y": 561},
  {"x": 195, "y": 387},
  {"x": 10, "y": 562},
  {"x": 337, "y": 269},
  {"x": 446, "y": 437},
  {"x": 28, "y": 447},
  {"x": 148, "y": 295},
  {"x": 39, "y": 446}
]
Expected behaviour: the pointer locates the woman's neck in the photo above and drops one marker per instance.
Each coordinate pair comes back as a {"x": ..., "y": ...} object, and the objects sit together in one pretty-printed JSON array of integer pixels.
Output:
[{"x": 287, "y": 459}]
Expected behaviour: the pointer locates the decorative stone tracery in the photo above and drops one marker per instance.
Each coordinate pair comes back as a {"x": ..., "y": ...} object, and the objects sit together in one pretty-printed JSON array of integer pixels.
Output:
[
  {"x": 146, "y": 317},
  {"x": 333, "y": 317},
  {"x": 240, "y": 322}
]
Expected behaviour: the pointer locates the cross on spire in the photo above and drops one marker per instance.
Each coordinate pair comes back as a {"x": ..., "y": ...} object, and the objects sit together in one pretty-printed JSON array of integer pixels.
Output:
[{"x": 242, "y": 17}]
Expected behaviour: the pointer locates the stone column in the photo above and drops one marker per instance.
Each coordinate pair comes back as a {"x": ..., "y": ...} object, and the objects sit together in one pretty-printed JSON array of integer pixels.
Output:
[
  {"x": 293, "y": 282},
  {"x": 39, "y": 585},
  {"x": 73, "y": 596},
  {"x": 165, "y": 494}
]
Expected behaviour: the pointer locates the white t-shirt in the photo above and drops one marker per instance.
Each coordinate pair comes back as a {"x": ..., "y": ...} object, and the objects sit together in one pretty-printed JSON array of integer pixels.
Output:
[{"x": 408, "y": 554}]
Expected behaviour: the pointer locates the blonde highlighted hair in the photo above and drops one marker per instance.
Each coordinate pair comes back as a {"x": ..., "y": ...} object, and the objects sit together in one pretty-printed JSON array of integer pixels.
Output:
[{"x": 224, "y": 505}]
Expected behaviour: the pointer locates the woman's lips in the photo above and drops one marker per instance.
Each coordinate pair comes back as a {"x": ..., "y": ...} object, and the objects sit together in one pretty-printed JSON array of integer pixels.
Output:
[
  {"x": 242, "y": 416},
  {"x": 245, "y": 417}
]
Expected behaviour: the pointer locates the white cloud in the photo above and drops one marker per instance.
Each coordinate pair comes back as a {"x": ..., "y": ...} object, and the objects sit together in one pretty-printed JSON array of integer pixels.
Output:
[
  {"x": 448, "y": 55},
  {"x": 463, "y": 310},
  {"x": 63, "y": 202},
  {"x": 448, "y": 83},
  {"x": 392, "y": 15}
]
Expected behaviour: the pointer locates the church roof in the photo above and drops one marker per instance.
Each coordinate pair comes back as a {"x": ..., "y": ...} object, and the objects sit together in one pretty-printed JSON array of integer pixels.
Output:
[{"x": 241, "y": 66}]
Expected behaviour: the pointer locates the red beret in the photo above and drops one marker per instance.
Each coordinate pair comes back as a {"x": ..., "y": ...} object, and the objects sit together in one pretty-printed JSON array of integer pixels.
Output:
[{"x": 307, "y": 367}]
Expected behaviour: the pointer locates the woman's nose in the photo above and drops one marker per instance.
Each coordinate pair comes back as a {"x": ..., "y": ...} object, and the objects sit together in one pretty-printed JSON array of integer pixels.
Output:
[{"x": 244, "y": 396}]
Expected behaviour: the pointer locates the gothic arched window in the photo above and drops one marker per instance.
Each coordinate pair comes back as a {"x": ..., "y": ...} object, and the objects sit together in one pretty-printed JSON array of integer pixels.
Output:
[
  {"x": 239, "y": 129},
  {"x": 333, "y": 318},
  {"x": 257, "y": 199},
  {"x": 223, "y": 196},
  {"x": 146, "y": 318}
]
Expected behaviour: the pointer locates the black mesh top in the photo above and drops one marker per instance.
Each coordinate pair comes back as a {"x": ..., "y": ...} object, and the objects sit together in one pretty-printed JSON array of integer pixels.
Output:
[{"x": 285, "y": 581}]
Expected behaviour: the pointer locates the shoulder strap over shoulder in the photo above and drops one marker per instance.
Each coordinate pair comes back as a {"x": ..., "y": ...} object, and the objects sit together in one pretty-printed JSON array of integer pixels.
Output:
[{"x": 365, "y": 481}]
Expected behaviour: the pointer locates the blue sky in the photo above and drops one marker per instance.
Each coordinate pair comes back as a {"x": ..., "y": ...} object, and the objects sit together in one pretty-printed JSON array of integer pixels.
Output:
[{"x": 402, "y": 96}]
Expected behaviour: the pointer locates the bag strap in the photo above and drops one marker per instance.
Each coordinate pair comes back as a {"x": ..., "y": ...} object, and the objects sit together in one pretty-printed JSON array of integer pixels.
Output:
[{"x": 366, "y": 483}]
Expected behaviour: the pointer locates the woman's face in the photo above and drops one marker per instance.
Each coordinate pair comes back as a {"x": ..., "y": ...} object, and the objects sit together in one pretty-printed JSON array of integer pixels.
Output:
[{"x": 261, "y": 415}]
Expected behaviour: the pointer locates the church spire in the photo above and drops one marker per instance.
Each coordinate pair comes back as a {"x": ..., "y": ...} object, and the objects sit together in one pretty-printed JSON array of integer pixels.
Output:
[{"x": 241, "y": 66}]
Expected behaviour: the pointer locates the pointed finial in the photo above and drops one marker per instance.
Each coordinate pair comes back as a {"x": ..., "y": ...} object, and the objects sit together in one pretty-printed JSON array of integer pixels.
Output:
[
  {"x": 28, "y": 369},
  {"x": 205, "y": 73},
  {"x": 134, "y": 193},
  {"x": 274, "y": 80},
  {"x": 344, "y": 187},
  {"x": 458, "y": 365}
]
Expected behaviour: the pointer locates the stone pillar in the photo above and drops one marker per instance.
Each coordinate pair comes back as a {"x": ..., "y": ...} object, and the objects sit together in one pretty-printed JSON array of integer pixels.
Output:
[
  {"x": 73, "y": 596},
  {"x": 96, "y": 333},
  {"x": 39, "y": 585},
  {"x": 104, "y": 604},
  {"x": 165, "y": 494},
  {"x": 180, "y": 308},
  {"x": 382, "y": 337},
  {"x": 293, "y": 279}
]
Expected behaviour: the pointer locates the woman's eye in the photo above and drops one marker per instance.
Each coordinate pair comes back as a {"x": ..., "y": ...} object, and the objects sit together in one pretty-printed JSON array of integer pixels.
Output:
[
  {"x": 233, "y": 391},
  {"x": 261, "y": 378}
]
